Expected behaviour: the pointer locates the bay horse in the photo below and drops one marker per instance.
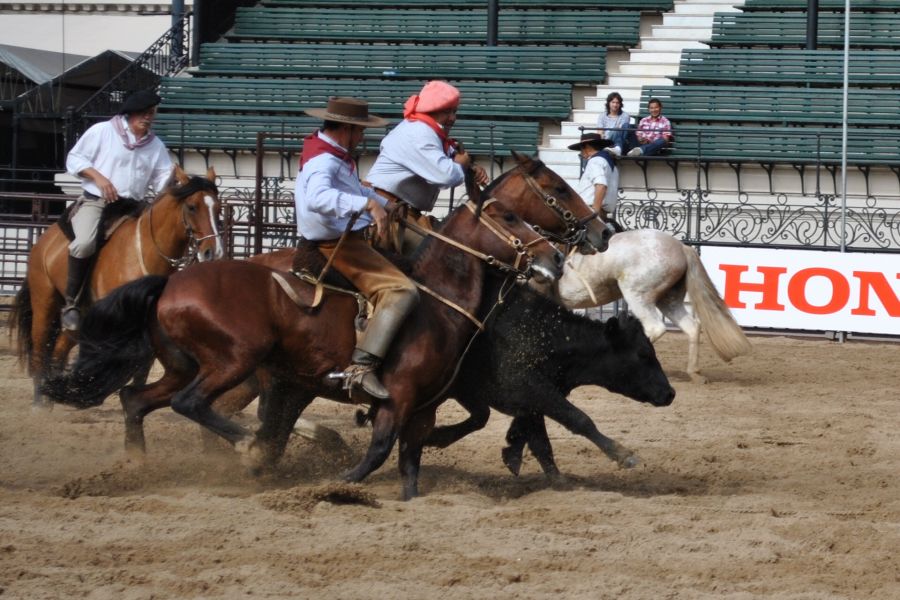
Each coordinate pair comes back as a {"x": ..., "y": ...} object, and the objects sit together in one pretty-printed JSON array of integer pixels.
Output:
[
  {"x": 560, "y": 215},
  {"x": 652, "y": 271},
  {"x": 215, "y": 324},
  {"x": 183, "y": 217},
  {"x": 527, "y": 373}
]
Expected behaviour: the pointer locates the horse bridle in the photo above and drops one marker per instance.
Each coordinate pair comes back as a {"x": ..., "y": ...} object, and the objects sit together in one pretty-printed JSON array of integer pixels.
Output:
[
  {"x": 193, "y": 242},
  {"x": 522, "y": 249},
  {"x": 576, "y": 229}
]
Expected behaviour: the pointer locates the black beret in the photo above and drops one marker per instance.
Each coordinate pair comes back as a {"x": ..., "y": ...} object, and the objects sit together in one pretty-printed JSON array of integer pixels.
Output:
[{"x": 139, "y": 101}]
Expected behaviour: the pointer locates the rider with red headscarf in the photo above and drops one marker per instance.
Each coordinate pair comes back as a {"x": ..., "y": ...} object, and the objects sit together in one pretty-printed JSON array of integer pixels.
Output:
[{"x": 418, "y": 157}]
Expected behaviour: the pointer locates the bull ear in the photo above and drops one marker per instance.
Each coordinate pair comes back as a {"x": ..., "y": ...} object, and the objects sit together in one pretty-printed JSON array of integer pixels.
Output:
[{"x": 211, "y": 173}]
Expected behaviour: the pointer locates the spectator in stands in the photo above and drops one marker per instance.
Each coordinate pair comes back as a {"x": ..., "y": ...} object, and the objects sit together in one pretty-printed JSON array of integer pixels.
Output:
[
  {"x": 330, "y": 199},
  {"x": 418, "y": 158},
  {"x": 119, "y": 159},
  {"x": 599, "y": 183},
  {"x": 654, "y": 133},
  {"x": 615, "y": 124}
]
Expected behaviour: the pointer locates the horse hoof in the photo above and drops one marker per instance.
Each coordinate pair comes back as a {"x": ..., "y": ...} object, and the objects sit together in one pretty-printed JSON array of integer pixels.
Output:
[
  {"x": 630, "y": 461},
  {"x": 512, "y": 460},
  {"x": 251, "y": 455},
  {"x": 698, "y": 378}
]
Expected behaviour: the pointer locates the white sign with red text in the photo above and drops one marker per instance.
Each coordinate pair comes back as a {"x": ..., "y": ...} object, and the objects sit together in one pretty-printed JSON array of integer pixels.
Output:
[{"x": 807, "y": 289}]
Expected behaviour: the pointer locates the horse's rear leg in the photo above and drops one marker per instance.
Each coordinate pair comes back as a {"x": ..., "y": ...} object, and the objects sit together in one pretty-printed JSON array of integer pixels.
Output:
[
  {"x": 412, "y": 440},
  {"x": 44, "y": 321},
  {"x": 479, "y": 413},
  {"x": 139, "y": 401},
  {"x": 143, "y": 373},
  {"x": 672, "y": 305},
  {"x": 284, "y": 403},
  {"x": 384, "y": 434},
  {"x": 194, "y": 402}
]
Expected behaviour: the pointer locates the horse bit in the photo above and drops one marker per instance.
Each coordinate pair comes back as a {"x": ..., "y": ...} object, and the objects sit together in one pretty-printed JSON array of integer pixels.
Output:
[{"x": 576, "y": 229}]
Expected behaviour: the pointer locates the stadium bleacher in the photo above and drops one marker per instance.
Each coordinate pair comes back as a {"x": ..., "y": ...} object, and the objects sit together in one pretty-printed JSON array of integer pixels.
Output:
[{"x": 779, "y": 30}]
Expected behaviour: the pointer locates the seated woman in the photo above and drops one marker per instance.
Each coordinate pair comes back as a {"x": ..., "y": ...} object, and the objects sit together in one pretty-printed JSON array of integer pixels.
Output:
[{"x": 615, "y": 123}]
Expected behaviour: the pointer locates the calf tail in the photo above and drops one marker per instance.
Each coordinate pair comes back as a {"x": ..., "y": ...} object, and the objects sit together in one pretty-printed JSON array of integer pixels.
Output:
[
  {"x": 725, "y": 335},
  {"x": 113, "y": 344}
]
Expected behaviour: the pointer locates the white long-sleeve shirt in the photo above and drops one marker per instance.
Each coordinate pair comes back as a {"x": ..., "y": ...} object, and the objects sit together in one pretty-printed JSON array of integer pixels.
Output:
[
  {"x": 327, "y": 193},
  {"x": 132, "y": 172},
  {"x": 412, "y": 165}
]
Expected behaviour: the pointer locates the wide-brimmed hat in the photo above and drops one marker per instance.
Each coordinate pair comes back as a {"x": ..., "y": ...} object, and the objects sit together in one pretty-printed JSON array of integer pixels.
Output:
[
  {"x": 347, "y": 110},
  {"x": 139, "y": 102},
  {"x": 592, "y": 138}
]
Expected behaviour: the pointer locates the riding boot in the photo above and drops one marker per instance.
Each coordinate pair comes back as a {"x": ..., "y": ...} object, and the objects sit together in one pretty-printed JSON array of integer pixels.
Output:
[
  {"x": 78, "y": 270},
  {"x": 382, "y": 328}
]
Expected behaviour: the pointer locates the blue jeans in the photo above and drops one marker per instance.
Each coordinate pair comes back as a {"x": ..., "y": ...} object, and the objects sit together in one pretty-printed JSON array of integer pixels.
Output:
[{"x": 654, "y": 147}]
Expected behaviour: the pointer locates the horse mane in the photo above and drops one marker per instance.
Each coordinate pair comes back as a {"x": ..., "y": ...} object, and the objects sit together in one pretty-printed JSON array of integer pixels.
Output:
[
  {"x": 194, "y": 184},
  {"x": 536, "y": 165}
]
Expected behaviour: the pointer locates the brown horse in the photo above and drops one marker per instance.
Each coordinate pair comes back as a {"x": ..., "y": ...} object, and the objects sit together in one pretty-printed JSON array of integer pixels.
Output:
[
  {"x": 560, "y": 214},
  {"x": 184, "y": 217},
  {"x": 213, "y": 325}
]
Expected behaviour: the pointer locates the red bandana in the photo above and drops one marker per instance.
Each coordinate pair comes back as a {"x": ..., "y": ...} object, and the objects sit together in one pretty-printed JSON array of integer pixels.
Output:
[
  {"x": 447, "y": 141},
  {"x": 313, "y": 146},
  {"x": 120, "y": 130}
]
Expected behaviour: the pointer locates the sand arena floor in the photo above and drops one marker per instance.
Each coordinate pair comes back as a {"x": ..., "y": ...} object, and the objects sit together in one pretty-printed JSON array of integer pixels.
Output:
[{"x": 778, "y": 479}]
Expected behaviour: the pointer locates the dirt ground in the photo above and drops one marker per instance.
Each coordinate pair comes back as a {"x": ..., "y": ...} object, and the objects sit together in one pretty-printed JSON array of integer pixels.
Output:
[{"x": 778, "y": 479}]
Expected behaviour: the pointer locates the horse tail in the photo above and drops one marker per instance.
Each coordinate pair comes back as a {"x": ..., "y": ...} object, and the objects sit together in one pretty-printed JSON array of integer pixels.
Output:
[
  {"x": 20, "y": 319},
  {"x": 725, "y": 335},
  {"x": 113, "y": 344}
]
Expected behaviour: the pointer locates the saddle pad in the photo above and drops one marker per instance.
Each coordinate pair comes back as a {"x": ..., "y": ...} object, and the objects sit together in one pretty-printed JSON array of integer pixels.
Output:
[{"x": 114, "y": 214}]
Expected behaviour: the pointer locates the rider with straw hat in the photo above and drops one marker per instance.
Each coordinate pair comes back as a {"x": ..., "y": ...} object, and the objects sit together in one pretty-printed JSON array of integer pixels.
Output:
[
  {"x": 418, "y": 157},
  {"x": 331, "y": 201}
]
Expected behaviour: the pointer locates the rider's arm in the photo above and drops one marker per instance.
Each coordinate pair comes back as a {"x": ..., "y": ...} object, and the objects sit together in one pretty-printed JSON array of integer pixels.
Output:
[
  {"x": 162, "y": 169},
  {"x": 328, "y": 191},
  {"x": 426, "y": 159}
]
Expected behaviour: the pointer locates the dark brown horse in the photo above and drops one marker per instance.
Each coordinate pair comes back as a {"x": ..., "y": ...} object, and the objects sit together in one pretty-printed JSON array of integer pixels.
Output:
[
  {"x": 543, "y": 199},
  {"x": 213, "y": 325},
  {"x": 184, "y": 217}
]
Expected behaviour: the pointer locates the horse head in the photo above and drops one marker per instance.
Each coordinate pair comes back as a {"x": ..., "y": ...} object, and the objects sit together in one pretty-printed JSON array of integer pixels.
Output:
[
  {"x": 544, "y": 199},
  {"x": 509, "y": 241},
  {"x": 634, "y": 354},
  {"x": 199, "y": 201}
]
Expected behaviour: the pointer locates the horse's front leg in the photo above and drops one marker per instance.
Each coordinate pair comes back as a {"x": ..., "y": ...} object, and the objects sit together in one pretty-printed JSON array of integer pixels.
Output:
[
  {"x": 284, "y": 403},
  {"x": 412, "y": 440},
  {"x": 479, "y": 413}
]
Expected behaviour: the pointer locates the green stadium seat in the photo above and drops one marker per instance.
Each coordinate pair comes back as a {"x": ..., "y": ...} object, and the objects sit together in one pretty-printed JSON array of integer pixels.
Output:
[
  {"x": 639, "y": 5},
  {"x": 774, "y": 29},
  {"x": 609, "y": 28},
  {"x": 824, "y": 5}
]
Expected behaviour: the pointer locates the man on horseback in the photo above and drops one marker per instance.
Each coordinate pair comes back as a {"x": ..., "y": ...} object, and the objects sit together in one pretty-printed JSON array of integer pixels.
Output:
[
  {"x": 599, "y": 183},
  {"x": 330, "y": 200},
  {"x": 116, "y": 159},
  {"x": 418, "y": 158}
]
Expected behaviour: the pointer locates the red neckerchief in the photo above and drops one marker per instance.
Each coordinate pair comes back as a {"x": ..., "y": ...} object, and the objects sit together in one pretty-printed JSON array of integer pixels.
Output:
[
  {"x": 446, "y": 140},
  {"x": 313, "y": 146},
  {"x": 120, "y": 130}
]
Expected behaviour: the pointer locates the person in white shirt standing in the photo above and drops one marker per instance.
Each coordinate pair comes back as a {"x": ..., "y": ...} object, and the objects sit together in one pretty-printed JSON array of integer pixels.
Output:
[
  {"x": 116, "y": 159},
  {"x": 334, "y": 209},
  {"x": 418, "y": 158},
  {"x": 599, "y": 183}
]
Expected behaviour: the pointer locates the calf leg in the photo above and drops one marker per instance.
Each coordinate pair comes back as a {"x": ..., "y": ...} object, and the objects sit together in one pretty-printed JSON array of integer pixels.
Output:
[
  {"x": 558, "y": 408},
  {"x": 284, "y": 403},
  {"x": 532, "y": 430}
]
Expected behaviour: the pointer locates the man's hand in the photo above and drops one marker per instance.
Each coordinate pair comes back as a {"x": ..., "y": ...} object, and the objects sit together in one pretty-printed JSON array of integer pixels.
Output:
[
  {"x": 481, "y": 176},
  {"x": 107, "y": 190},
  {"x": 463, "y": 158},
  {"x": 379, "y": 215}
]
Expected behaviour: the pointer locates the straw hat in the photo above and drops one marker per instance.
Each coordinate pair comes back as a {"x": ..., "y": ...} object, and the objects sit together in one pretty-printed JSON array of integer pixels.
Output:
[{"x": 347, "y": 110}]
